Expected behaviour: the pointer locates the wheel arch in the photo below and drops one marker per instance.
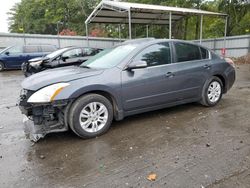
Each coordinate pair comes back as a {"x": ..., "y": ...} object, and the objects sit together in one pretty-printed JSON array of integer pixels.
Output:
[
  {"x": 118, "y": 115},
  {"x": 3, "y": 64},
  {"x": 223, "y": 80}
]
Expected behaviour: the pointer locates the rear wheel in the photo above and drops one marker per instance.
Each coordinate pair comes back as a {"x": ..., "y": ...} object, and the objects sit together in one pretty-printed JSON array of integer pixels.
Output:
[
  {"x": 1, "y": 66},
  {"x": 91, "y": 115},
  {"x": 212, "y": 92}
]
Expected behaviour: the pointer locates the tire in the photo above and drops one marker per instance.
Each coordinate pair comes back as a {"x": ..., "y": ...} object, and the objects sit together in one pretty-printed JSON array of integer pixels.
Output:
[
  {"x": 1, "y": 66},
  {"x": 87, "y": 123},
  {"x": 210, "y": 95}
]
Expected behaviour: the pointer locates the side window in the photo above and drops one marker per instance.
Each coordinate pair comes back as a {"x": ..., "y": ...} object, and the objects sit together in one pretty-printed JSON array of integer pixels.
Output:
[
  {"x": 187, "y": 52},
  {"x": 48, "y": 48},
  {"x": 72, "y": 53},
  {"x": 154, "y": 55},
  {"x": 31, "y": 49},
  {"x": 204, "y": 53},
  {"x": 15, "y": 50},
  {"x": 88, "y": 51}
]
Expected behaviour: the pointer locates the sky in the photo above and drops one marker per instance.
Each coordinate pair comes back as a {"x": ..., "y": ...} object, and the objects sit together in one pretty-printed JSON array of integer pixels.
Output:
[{"x": 4, "y": 8}]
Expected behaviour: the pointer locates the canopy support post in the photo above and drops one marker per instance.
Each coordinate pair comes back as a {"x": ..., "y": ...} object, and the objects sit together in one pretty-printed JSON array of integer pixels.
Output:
[
  {"x": 225, "y": 32},
  {"x": 119, "y": 30},
  {"x": 201, "y": 27},
  {"x": 147, "y": 31},
  {"x": 87, "y": 33},
  {"x": 129, "y": 24},
  {"x": 170, "y": 26}
]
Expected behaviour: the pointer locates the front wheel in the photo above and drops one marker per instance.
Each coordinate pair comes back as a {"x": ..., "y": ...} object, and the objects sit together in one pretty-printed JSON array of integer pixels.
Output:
[
  {"x": 1, "y": 66},
  {"x": 91, "y": 115},
  {"x": 212, "y": 92}
]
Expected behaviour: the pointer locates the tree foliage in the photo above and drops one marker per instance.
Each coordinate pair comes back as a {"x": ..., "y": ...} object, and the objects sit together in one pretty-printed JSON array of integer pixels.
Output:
[
  {"x": 44, "y": 16},
  {"x": 54, "y": 16}
]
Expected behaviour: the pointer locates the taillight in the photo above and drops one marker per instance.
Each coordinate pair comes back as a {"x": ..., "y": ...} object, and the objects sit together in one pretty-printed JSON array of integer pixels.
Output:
[{"x": 230, "y": 61}]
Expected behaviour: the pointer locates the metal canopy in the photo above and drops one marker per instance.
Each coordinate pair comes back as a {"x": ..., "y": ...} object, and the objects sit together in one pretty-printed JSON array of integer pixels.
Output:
[{"x": 113, "y": 12}]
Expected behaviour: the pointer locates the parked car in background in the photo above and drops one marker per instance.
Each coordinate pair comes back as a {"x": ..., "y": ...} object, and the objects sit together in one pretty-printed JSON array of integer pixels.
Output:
[
  {"x": 13, "y": 57},
  {"x": 134, "y": 77},
  {"x": 60, "y": 58}
]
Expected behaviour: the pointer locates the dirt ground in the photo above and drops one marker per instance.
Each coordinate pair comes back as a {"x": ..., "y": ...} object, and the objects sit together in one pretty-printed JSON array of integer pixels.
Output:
[
  {"x": 185, "y": 146},
  {"x": 242, "y": 60}
]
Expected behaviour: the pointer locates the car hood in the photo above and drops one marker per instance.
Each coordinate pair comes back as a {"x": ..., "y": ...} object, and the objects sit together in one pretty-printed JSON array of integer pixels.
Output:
[
  {"x": 38, "y": 59},
  {"x": 52, "y": 76}
]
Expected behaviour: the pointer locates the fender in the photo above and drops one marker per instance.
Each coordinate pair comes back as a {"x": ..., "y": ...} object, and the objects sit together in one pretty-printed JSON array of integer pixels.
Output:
[{"x": 71, "y": 94}]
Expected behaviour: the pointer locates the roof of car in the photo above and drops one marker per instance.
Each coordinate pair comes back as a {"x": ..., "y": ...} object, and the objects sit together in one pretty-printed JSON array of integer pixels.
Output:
[
  {"x": 39, "y": 45},
  {"x": 145, "y": 41},
  {"x": 72, "y": 47}
]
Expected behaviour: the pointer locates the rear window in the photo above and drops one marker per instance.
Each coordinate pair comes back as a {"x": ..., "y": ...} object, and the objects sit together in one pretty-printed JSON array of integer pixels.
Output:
[
  {"x": 48, "y": 48},
  {"x": 204, "y": 53},
  {"x": 31, "y": 49},
  {"x": 187, "y": 52}
]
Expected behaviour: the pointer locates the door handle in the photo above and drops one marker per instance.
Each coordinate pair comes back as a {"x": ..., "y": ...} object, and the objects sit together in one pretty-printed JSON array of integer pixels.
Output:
[
  {"x": 169, "y": 75},
  {"x": 207, "y": 66}
]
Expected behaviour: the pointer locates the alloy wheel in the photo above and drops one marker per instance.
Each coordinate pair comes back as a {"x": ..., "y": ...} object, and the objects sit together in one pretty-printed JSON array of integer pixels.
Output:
[
  {"x": 214, "y": 92},
  {"x": 93, "y": 117}
]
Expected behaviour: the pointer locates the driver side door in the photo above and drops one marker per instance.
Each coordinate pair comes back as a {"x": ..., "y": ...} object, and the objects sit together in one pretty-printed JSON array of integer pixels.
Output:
[
  {"x": 14, "y": 57},
  {"x": 151, "y": 86}
]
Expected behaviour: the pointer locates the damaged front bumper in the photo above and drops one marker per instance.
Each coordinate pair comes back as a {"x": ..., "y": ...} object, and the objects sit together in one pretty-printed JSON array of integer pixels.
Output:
[
  {"x": 32, "y": 131},
  {"x": 41, "y": 119}
]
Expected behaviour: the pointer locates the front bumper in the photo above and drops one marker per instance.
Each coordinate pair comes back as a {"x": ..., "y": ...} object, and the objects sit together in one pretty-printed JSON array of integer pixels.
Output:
[
  {"x": 25, "y": 69},
  {"x": 41, "y": 119},
  {"x": 32, "y": 131},
  {"x": 28, "y": 70}
]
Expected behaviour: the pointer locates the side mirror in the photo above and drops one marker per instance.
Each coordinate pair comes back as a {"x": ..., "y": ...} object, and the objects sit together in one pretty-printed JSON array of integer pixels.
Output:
[
  {"x": 137, "y": 65},
  {"x": 64, "y": 58},
  {"x": 7, "y": 53}
]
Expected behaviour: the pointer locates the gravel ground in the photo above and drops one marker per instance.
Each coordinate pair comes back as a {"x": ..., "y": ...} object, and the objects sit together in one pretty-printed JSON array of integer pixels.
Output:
[{"x": 185, "y": 146}]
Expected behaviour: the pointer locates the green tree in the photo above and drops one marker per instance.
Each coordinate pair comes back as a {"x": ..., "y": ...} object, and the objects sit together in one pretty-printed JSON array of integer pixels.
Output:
[{"x": 42, "y": 16}]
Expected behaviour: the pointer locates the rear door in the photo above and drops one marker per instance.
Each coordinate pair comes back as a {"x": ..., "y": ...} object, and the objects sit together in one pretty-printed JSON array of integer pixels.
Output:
[
  {"x": 191, "y": 68},
  {"x": 32, "y": 51}
]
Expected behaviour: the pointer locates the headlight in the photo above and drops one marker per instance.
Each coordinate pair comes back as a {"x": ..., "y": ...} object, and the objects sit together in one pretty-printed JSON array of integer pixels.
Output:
[
  {"x": 48, "y": 93},
  {"x": 35, "y": 64}
]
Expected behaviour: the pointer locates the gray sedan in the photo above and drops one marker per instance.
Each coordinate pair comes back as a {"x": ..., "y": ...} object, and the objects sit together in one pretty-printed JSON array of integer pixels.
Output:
[{"x": 134, "y": 77}]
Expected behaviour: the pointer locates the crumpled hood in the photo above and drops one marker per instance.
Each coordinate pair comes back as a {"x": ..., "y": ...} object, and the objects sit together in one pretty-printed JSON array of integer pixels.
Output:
[
  {"x": 36, "y": 59},
  {"x": 64, "y": 74}
]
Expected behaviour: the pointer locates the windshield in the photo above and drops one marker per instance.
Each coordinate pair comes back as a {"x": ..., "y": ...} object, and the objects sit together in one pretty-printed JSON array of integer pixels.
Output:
[
  {"x": 3, "y": 50},
  {"x": 6, "y": 49},
  {"x": 109, "y": 58},
  {"x": 56, "y": 53}
]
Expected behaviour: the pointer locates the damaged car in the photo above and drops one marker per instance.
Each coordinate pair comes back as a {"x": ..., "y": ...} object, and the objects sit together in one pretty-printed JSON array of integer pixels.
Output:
[
  {"x": 63, "y": 57},
  {"x": 133, "y": 77}
]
